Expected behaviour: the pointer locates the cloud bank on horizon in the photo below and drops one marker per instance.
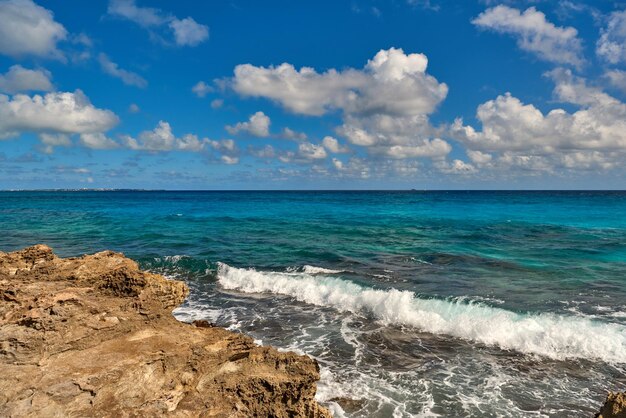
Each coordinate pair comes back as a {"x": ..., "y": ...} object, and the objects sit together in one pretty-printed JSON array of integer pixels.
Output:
[{"x": 508, "y": 94}]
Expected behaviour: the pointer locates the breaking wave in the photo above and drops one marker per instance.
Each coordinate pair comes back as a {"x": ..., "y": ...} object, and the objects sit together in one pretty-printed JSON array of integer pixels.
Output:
[{"x": 550, "y": 335}]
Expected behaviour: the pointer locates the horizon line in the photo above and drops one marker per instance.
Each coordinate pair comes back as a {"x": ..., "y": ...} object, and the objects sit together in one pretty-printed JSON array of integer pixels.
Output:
[{"x": 300, "y": 190}]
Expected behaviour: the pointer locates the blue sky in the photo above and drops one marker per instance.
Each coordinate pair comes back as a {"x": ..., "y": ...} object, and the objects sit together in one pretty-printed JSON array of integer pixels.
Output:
[{"x": 361, "y": 94}]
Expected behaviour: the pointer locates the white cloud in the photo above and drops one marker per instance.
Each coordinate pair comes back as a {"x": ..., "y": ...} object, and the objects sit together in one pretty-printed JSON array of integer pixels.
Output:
[
  {"x": 97, "y": 141},
  {"x": 224, "y": 145},
  {"x": 228, "y": 150},
  {"x": 612, "y": 43},
  {"x": 187, "y": 32},
  {"x": 217, "y": 103},
  {"x": 386, "y": 103},
  {"x": 257, "y": 125},
  {"x": 305, "y": 91},
  {"x": 289, "y": 133},
  {"x": 408, "y": 136},
  {"x": 29, "y": 29},
  {"x": 161, "y": 138},
  {"x": 20, "y": 79},
  {"x": 201, "y": 89},
  {"x": 617, "y": 78},
  {"x": 479, "y": 158},
  {"x": 229, "y": 160},
  {"x": 143, "y": 16},
  {"x": 311, "y": 151},
  {"x": 134, "y": 108},
  {"x": 435, "y": 148},
  {"x": 55, "y": 140},
  {"x": 391, "y": 74},
  {"x": 82, "y": 39},
  {"x": 265, "y": 152},
  {"x": 129, "y": 78},
  {"x": 360, "y": 168},
  {"x": 534, "y": 33},
  {"x": 333, "y": 145},
  {"x": 64, "y": 113},
  {"x": 514, "y": 133},
  {"x": 455, "y": 167}
]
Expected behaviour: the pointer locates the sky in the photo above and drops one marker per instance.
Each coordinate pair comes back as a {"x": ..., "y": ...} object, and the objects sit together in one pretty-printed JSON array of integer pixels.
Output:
[{"x": 354, "y": 94}]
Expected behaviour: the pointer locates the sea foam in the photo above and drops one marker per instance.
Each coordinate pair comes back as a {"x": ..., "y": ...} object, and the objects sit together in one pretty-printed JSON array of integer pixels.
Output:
[{"x": 550, "y": 335}]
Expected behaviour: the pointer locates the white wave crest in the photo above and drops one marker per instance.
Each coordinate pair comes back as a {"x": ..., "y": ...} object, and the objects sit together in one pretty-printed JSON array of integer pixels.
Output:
[
  {"x": 312, "y": 270},
  {"x": 319, "y": 270},
  {"x": 550, "y": 335},
  {"x": 170, "y": 258}
]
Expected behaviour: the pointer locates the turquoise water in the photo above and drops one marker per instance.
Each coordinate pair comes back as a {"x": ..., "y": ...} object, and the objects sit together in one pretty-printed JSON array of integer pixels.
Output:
[{"x": 414, "y": 303}]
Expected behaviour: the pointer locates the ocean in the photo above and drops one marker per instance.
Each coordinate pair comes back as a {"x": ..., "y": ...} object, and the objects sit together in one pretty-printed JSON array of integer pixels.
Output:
[{"x": 434, "y": 303}]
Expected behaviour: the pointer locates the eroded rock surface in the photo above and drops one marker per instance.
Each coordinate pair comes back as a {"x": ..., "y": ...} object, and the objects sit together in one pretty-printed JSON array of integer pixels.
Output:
[
  {"x": 614, "y": 406},
  {"x": 94, "y": 336}
]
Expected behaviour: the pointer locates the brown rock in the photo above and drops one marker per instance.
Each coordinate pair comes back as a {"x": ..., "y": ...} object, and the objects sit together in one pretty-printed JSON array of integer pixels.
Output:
[
  {"x": 614, "y": 406},
  {"x": 348, "y": 404},
  {"x": 94, "y": 336}
]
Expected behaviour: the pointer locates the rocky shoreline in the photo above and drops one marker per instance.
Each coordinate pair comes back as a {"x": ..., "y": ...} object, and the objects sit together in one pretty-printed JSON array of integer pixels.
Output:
[{"x": 94, "y": 336}]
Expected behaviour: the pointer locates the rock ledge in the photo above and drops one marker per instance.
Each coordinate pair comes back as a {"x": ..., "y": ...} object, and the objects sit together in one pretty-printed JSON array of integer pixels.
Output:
[{"x": 94, "y": 336}]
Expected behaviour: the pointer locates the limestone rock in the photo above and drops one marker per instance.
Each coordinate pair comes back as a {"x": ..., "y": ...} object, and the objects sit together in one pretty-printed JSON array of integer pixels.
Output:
[
  {"x": 614, "y": 406},
  {"x": 94, "y": 336}
]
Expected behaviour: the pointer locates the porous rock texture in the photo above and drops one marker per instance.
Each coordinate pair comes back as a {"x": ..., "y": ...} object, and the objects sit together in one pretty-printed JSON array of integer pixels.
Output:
[
  {"x": 94, "y": 336},
  {"x": 614, "y": 406}
]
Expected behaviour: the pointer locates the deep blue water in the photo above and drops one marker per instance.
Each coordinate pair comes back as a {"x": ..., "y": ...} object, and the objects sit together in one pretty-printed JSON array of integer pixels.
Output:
[{"x": 415, "y": 303}]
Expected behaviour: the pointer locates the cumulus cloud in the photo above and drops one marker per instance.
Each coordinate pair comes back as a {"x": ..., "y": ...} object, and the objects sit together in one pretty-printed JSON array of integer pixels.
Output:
[
  {"x": 186, "y": 31},
  {"x": 479, "y": 158},
  {"x": 129, "y": 78},
  {"x": 161, "y": 138},
  {"x": 391, "y": 74},
  {"x": 27, "y": 29},
  {"x": 311, "y": 151},
  {"x": 515, "y": 133},
  {"x": 612, "y": 43},
  {"x": 333, "y": 145},
  {"x": 54, "y": 113},
  {"x": 288, "y": 133},
  {"x": 134, "y": 108},
  {"x": 435, "y": 148},
  {"x": 217, "y": 103},
  {"x": 257, "y": 125},
  {"x": 98, "y": 141},
  {"x": 534, "y": 33},
  {"x": 201, "y": 89},
  {"x": 19, "y": 79},
  {"x": 385, "y": 104},
  {"x": 224, "y": 145}
]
